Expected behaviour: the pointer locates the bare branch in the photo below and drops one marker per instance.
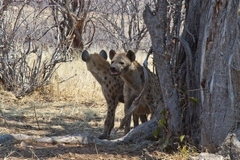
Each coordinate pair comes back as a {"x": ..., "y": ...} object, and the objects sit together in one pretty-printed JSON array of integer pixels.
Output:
[
  {"x": 24, "y": 67},
  {"x": 122, "y": 22}
]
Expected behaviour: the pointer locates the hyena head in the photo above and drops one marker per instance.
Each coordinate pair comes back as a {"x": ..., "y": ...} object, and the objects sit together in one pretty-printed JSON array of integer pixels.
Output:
[
  {"x": 95, "y": 62},
  {"x": 120, "y": 62}
]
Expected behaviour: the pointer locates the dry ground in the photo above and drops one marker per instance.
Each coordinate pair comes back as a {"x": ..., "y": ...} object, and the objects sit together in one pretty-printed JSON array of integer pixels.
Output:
[{"x": 72, "y": 103}]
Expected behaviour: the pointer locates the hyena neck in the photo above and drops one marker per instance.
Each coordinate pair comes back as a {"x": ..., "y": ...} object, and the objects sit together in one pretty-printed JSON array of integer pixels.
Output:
[
  {"x": 101, "y": 73},
  {"x": 133, "y": 77}
]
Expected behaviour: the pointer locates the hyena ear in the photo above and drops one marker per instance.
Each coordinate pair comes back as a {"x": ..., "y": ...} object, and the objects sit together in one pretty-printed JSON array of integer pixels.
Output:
[
  {"x": 103, "y": 54},
  {"x": 112, "y": 54},
  {"x": 131, "y": 55},
  {"x": 85, "y": 56}
]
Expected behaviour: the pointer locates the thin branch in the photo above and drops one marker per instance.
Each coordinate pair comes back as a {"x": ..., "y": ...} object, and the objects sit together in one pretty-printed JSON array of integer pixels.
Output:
[
  {"x": 66, "y": 79},
  {"x": 187, "y": 50}
]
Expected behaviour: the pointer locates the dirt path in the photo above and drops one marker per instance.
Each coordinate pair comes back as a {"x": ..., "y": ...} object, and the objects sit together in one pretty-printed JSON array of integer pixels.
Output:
[
  {"x": 26, "y": 150},
  {"x": 59, "y": 118}
]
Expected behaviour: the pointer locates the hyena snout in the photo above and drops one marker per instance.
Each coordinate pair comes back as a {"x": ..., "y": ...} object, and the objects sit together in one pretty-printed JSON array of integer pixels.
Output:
[{"x": 114, "y": 70}]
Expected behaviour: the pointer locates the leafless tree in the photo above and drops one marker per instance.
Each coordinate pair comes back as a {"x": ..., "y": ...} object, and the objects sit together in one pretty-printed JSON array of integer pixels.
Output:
[
  {"x": 122, "y": 22},
  {"x": 197, "y": 61},
  {"x": 30, "y": 47},
  {"x": 71, "y": 17}
]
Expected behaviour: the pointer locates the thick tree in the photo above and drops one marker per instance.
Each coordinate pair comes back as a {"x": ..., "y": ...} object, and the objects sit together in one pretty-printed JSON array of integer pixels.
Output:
[
  {"x": 211, "y": 31},
  {"x": 217, "y": 44},
  {"x": 197, "y": 61}
]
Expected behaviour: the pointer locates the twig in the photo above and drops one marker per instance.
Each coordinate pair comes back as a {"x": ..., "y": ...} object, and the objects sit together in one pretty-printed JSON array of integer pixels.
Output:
[
  {"x": 35, "y": 113},
  {"x": 67, "y": 78},
  {"x": 95, "y": 147},
  {"x": 2, "y": 114},
  {"x": 4, "y": 119}
]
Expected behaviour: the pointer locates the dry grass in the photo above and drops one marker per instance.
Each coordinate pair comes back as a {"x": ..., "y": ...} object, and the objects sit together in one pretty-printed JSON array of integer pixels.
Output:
[
  {"x": 72, "y": 94},
  {"x": 72, "y": 103},
  {"x": 73, "y": 81}
]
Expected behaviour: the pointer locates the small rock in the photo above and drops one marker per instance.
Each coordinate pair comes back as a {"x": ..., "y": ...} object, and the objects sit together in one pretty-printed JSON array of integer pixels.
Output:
[
  {"x": 207, "y": 156},
  {"x": 23, "y": 145}
]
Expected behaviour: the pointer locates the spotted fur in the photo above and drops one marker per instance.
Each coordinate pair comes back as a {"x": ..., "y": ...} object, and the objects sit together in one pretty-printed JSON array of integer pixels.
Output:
[
  {"x": 125, "y": 66},
  {"x": 112, "y": 89}
]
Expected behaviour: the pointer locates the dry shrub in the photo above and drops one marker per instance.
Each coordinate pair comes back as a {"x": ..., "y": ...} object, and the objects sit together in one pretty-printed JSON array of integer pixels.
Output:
[{"x": 73, "y": 82}]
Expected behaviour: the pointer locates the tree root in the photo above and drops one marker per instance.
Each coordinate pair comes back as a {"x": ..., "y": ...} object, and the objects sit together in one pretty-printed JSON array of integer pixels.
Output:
[
  {"x": 76, "y": 139},
  {"x": 137, "y": 135}
]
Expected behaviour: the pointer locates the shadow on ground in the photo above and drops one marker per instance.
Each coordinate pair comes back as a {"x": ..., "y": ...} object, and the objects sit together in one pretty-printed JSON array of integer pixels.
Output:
[
  {"x": 65, "y": 151},
  {"x": 55, "y": 119}
]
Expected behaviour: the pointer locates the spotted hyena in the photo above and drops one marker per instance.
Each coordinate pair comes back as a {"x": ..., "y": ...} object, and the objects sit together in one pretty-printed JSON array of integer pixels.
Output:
[
  {"x": 112, "y": 89},
  {"x": 125, "y": 66}
]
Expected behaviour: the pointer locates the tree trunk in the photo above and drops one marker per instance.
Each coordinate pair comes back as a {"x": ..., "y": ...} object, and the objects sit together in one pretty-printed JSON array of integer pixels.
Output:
[
  {"x": 157, "y": 25},
  {"x": 210, "y": 85},
  {"x": 216, "y": 47},
  {"x": 191, "y": 123},
  {"x": 236, "y": 85}
]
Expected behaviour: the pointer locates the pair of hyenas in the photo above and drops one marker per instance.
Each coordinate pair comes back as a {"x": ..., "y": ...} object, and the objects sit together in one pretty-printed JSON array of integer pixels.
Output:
[{"x": 122, "y": 81}]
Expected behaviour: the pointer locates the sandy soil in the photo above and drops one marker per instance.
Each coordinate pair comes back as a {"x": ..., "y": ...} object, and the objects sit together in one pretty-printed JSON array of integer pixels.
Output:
[{"x": 48, "y": 117}]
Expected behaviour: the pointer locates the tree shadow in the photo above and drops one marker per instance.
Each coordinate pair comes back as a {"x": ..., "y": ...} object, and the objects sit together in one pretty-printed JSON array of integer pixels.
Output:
[
  {"x": 67, "y": 151},
  {"x": 55, "y": 125},
  {"x": 16, "y": 122}
]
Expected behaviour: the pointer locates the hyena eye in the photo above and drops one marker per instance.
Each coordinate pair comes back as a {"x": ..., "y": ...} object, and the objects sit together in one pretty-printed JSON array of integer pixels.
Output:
[
  {"x": 122, "y": 63},
  {"x": 112, "y": 62}
]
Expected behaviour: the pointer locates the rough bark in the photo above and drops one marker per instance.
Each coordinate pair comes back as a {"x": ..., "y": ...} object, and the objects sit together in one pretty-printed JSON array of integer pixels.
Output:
[
  {"x": 191, "y": 123},
  {"x": 216, "y": 46},
  {"x": 236, "y": 85},
  {"x": 211, "y": 30},
  {"x": 156, "y": 24}
]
